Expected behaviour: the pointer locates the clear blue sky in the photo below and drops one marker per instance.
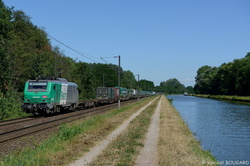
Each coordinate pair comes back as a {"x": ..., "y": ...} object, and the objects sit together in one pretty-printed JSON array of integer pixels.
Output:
[{"x": 158, "y": 39}]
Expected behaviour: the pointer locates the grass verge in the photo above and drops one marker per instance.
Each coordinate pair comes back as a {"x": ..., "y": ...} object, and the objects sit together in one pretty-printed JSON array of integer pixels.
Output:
[
  {"x": 226, "y": 97},
  {"x": 177, "y": 145},
  {"x": 73, "y": 139},
  {"x": 125, "y": 148}
]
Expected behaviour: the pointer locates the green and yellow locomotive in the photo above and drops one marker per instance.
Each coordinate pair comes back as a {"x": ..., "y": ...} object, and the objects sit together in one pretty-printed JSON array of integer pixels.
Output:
[{"x": 49, "y": 95}]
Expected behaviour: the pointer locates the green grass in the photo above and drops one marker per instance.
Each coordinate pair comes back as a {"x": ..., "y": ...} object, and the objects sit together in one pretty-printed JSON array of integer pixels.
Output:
[
  {"x": 47, "y": 152},
  {"x": 125, "y": 148},
  {"x": 226, "y": 97},
  {"x": 177, "y": 145}
]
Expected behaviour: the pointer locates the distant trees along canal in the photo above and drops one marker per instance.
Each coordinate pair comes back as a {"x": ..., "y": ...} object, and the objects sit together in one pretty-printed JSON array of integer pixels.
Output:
[{"x": 231, "y": 78}]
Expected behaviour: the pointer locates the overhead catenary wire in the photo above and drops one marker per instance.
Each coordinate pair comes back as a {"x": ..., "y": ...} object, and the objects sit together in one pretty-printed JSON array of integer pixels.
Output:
[
  {"x": 72, "y": 48},
  {"x": 102, "y": 58}
]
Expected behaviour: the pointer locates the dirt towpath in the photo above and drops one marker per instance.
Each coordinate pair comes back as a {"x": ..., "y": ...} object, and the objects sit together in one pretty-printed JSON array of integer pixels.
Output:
[
  {"x": 97, "y": 150},
  {"x": 148, "y": 154}
]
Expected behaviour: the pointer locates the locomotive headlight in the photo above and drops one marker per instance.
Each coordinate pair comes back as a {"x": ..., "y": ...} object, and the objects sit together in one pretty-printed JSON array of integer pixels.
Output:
[{"x": 44, "y": 96}]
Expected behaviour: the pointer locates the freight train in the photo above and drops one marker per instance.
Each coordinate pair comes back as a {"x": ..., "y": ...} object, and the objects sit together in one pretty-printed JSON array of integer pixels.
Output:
[{"x": 47, "y": 95}]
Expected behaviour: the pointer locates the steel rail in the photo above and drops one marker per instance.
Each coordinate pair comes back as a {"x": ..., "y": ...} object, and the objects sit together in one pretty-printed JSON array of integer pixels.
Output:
[{"x": 25, "y": 131}]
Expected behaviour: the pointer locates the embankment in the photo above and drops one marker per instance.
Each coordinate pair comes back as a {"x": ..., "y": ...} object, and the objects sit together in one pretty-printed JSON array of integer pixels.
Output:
[
  {"x": 225, "y": 97},
  {"x": 177, "y": 144}
]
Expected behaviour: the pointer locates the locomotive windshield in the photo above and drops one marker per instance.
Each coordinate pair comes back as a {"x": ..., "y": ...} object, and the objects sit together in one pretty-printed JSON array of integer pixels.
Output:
[{"x": 37, "y": 86}]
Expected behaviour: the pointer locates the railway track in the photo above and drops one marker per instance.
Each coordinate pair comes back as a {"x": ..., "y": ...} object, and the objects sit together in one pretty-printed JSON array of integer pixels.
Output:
[
  {"x": 23, "y": 127},
  {"x": 15, "y": 121}
]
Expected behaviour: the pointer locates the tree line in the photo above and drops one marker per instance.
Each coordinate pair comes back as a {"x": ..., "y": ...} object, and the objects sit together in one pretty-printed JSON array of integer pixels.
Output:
[
  {"x": 173, "y": 86},
  {"x": 26, "y": 53},
  {"x": 231, "y": 78}
]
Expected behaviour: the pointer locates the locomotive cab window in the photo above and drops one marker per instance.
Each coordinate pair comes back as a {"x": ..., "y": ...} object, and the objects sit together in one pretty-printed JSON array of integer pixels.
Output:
[{"x": 37, "y": 86}]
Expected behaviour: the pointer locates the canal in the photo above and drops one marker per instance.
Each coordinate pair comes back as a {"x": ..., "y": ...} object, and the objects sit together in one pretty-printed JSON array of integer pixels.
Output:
[{"x": 222, "y": 127}]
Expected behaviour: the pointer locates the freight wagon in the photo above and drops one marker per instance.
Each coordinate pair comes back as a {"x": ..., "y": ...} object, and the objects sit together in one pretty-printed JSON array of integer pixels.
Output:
[
  {"x": 107, "y": 94},
  {"x": 123, "y": 93},
  {"x": 134, "y": 94}
]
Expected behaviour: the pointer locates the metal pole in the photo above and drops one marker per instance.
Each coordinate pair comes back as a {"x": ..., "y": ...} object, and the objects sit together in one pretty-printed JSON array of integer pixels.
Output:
[
  {"x": 119, "y": 81},
  {"x": 138, "y": 87}
]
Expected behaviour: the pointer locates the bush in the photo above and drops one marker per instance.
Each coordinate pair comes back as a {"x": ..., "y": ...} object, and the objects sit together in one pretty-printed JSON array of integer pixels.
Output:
[
  {"x": 66, "y": 132},
  {"x": 10, "y": 106}
]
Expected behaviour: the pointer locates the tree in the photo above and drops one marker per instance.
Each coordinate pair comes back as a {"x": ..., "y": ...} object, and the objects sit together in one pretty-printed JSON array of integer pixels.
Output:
[
  {"x": 5, "y": 28},
  {"x": 231, "y": 78},
  {"x": 204, "y": 80},
  {"x": 83, "y": 75},
  {"x": 159, "y": 89},
  {"x": 28, "y": 51},
  {"x": 226, "y": 79},
  {"x": 128, "y": 80},
  {"x": 172, "y": 86},
  {"x": 190, "y": 89},
  {"x": 241, "y": 68},
  {"x": 248, "y": 55},
  {"x": 5, "y": 24},
  {"x": 106, "y": 74},
  {"x": 146, "y": 85}
]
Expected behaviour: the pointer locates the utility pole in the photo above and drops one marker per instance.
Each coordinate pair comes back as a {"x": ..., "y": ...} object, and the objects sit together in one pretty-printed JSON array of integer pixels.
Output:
[
  {"x": 119, "y": 79},
  {"x": 138, "y": 87}
]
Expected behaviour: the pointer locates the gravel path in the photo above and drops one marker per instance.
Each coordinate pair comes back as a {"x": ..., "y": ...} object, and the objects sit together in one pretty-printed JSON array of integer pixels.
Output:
[
  {"x": 148, "y": 154},
  {"x": 95, "y": 151}
]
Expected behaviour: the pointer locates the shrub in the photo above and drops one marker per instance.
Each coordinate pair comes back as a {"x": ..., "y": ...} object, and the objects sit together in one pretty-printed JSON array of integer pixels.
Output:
[{"x": 10, "y": 106}]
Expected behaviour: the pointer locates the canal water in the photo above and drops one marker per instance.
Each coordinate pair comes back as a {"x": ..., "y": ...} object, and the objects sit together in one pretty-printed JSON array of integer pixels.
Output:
[{"x": 222, "y": 127}]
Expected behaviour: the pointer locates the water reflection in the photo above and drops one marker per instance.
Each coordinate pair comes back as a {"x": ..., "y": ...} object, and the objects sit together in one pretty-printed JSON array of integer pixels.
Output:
[{"x": 222, "y": 127}]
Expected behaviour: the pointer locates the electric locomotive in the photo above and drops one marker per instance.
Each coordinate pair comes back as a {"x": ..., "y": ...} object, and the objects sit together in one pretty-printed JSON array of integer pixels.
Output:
[{"x": 49, "y": 95}]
